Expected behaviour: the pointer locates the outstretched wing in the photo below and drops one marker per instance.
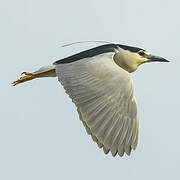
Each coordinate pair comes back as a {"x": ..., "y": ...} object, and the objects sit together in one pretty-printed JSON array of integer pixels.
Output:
[{"x": 103, "y": 94}]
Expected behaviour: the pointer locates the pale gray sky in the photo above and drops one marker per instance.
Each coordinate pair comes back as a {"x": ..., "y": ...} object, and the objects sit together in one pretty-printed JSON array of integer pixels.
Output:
[{"x": 41, "y": 136}]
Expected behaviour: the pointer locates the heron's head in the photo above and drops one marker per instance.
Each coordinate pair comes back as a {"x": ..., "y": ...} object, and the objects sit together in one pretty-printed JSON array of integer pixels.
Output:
[{"x": 129, "y": 58}]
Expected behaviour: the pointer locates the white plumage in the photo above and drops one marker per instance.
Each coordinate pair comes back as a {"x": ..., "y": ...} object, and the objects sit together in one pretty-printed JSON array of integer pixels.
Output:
[
  {"x": 98, "y": 82},
  {"x": 103, "y": 94}
]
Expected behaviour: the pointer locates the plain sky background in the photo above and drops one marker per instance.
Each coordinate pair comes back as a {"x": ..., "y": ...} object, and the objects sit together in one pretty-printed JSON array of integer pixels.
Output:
[{"x": 41, "y": 136}]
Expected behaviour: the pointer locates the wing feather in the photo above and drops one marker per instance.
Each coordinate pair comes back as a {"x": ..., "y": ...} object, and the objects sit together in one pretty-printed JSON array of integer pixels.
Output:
[{"x": 103, "y": 94}]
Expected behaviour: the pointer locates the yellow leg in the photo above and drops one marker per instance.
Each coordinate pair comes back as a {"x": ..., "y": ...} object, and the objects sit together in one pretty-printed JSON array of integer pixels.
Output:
[
  {"x": 28, "y": 76},
  {"x": 27, "y": 73}
]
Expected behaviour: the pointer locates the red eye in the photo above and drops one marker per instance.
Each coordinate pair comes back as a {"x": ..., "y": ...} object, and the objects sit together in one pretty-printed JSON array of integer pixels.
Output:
[{"x": 141, "y": 52}]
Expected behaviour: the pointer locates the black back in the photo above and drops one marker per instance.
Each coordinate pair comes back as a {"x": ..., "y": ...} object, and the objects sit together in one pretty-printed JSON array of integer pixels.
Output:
[{"x": 96, "y": 51}]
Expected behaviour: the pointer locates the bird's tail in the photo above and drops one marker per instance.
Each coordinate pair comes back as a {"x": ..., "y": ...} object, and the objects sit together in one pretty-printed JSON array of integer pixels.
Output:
[{"x": 48, "y": 71}]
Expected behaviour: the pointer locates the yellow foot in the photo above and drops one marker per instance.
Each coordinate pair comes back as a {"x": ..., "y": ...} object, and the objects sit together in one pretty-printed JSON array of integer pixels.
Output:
[{"x": 28, "y": 76}]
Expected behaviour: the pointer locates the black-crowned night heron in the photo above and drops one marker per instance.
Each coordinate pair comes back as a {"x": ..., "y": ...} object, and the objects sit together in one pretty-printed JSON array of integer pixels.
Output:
[{"x": 99, "y": 83}]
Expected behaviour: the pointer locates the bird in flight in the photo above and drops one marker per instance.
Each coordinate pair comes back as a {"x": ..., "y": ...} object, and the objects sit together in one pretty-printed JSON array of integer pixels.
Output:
[{"x": 99, "y": 83}]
